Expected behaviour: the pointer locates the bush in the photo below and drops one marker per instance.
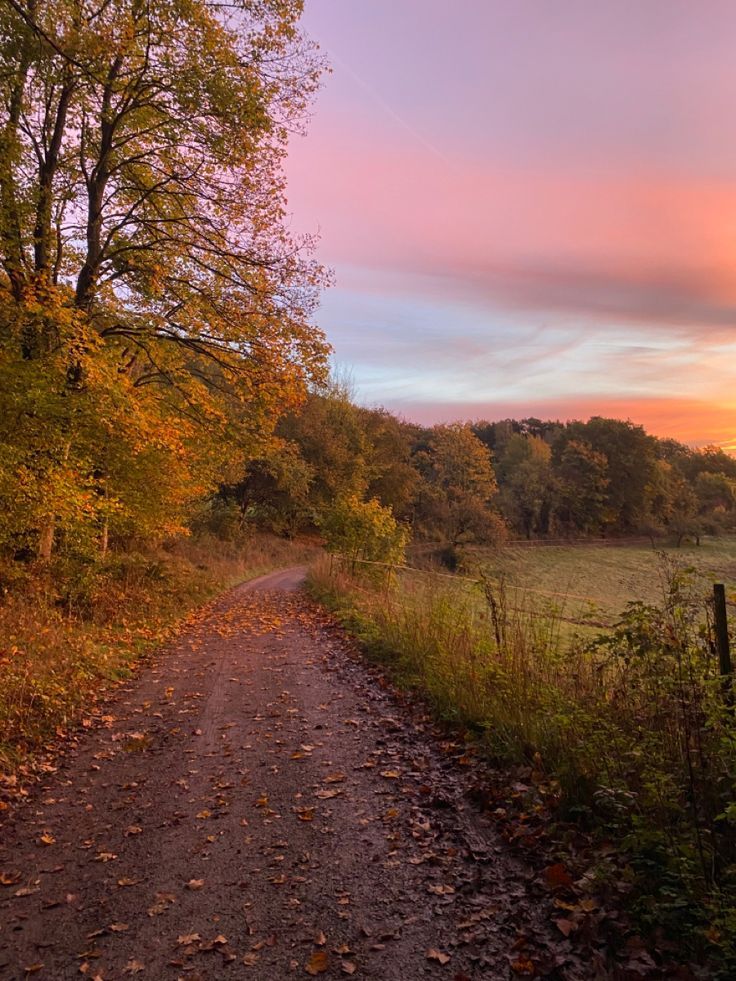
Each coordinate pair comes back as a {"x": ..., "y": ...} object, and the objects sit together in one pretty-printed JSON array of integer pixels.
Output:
[{"x": 364, "y": 530}]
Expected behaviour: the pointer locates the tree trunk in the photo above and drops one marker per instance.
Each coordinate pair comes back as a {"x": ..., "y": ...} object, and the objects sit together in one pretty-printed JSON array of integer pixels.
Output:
[
  {"x": 105, "y": 536},
  {"x": 48, "y": 525},
  {"x": 46, "y": 538}
]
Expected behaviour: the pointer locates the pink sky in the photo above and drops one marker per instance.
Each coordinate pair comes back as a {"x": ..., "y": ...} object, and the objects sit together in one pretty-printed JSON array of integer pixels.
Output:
[{"x": 530, "y": 208}]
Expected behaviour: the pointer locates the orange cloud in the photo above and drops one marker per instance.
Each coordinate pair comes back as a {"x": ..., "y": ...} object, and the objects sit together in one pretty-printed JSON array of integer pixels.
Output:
[{"x": 637, "y": 244}]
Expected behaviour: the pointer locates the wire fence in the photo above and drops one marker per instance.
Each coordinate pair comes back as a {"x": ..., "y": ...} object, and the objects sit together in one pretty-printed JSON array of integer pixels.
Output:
[
  {"x": 487, "y": 582},
  {"x": 718, "y": 605},
  {"x": 596, "y": 617}
]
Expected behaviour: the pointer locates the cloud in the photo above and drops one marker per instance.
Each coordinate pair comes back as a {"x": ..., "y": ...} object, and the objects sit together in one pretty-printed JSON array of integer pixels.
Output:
[
  {"x": 528, "y": 207},
  {"x": 639, "y": 246}
]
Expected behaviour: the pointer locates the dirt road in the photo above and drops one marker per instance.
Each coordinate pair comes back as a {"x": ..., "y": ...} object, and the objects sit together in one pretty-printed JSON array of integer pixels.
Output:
[{"x": 256, "y": 805}]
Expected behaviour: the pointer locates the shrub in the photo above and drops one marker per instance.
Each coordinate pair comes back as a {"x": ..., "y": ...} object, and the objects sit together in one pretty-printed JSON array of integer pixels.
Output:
[{"x": 364, "y": 530}]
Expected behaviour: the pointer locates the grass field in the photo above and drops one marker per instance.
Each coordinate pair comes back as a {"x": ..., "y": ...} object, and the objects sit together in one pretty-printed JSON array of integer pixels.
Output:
[{"x": 593, "y": 583}]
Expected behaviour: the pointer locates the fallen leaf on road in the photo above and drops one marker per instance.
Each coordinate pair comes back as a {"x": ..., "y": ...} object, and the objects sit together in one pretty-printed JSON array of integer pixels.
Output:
[
  {"x": 523, "y": 966},
  {"x": 187, "y": 938},
  {"x": 195, "y": 884},
  {"x": 163, "y": 901},
  {"x": 349, "y": 967},
  {"x": 437, "y": 955},
  {"x": 566, "y": 927},
  {"x": 47, "y": 839},
  {"x": 318, "y": 963},
  {"x": 134, "y": 967}
]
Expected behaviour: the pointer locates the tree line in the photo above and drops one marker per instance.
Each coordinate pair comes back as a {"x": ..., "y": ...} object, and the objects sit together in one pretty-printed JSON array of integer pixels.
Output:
[{"x": 480, "y": 482}]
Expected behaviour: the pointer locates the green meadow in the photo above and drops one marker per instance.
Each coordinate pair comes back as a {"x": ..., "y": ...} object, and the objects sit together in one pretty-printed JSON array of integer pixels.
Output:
[{"x": 593, "y": 582}]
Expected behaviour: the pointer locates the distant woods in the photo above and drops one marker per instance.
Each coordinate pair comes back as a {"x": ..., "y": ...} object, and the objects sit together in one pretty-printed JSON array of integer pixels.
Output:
[{"x": 482, "y": 482}]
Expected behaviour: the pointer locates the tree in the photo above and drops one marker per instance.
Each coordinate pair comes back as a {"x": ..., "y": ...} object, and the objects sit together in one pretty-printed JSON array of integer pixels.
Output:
[
  {"x": 526, "y": 482},
  {"x": 364, "y": 530},
  {"x": 458, "y": 485},
  {"x": 581, "y": 486},
  {"x": 329, "y": 433},
  {"x": 390, "y": 475},
  {"x": 716, "y": 499},
  {"x": 275, "y": 491},
  {"x": 146, "y": 269},
  {"x": 631, "y": 456}
]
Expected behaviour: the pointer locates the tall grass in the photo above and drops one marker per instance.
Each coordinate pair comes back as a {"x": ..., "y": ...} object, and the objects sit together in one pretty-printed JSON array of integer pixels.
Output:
[
  {"x": 634, "y": 727},
  {"x": 68, "y": 631}
]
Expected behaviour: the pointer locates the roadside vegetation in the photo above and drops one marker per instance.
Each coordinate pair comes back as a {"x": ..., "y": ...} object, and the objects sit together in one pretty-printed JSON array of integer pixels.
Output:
[{"x": 629, "y": 734}]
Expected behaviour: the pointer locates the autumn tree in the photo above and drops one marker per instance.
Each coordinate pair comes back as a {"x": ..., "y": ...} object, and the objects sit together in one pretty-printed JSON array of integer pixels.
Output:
[
  {"x": 149, "y": 290},
  {"x": 631, "y": 456},
  {"x": 458, "y": 485},
  {"x": 363, "y": 530},
  {"x": 390, "y": 475},
  {"x": 526, "y": 483},
  {"x": 582, "y": 482}
]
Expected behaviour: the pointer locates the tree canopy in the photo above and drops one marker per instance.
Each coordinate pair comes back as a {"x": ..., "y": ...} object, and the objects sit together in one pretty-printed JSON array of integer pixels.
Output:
[{"x": 149, "y": 288}]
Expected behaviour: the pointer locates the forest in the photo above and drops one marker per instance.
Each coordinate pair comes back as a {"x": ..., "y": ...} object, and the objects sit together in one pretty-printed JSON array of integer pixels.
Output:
[{"x": 481, "y": 482}]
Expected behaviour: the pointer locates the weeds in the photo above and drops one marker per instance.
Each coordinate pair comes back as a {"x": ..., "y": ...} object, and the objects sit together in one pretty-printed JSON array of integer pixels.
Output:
[{"x": 633, "y": 727}]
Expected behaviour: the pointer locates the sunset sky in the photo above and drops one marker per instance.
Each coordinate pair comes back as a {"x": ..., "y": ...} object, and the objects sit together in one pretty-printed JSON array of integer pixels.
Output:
[{"x": 530, "y": 207}]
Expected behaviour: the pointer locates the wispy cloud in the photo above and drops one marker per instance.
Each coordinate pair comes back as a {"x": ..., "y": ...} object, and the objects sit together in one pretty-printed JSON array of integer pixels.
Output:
[{"x": 529, "y": 206}]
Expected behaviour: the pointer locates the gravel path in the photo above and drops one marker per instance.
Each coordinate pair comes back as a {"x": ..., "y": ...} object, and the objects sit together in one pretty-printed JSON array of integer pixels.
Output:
[{"x": 258, "y": 805}]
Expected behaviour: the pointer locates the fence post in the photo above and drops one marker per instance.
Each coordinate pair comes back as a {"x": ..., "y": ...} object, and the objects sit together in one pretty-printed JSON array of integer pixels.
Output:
[{"x": 721, "y": 625}]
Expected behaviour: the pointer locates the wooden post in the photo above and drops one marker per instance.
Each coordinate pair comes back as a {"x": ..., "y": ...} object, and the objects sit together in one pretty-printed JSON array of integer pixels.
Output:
[{"x": 721, "y": 625}]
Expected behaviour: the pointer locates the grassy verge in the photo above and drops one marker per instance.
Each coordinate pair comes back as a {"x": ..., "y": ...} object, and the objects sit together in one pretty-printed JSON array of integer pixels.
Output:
[
  {"x": 633, "y": 731},
  {"x": 68, "y": 633}
]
